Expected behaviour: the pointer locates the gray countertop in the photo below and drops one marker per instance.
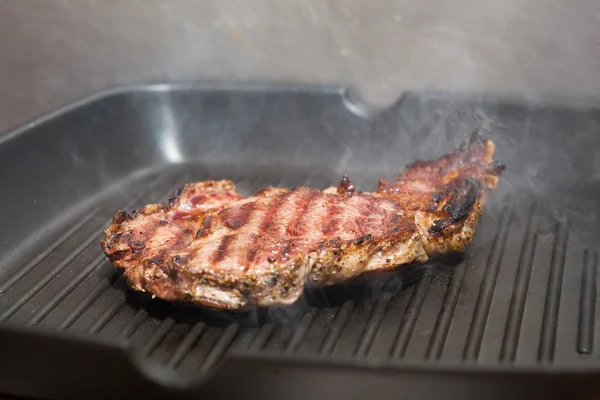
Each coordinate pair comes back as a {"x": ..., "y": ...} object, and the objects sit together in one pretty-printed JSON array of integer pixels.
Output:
[{"x": 54, "y": 51}]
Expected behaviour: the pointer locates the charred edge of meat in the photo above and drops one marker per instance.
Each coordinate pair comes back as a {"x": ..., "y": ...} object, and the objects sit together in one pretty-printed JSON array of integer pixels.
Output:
[
  {"x": 496, "y": 167},
  {"x": 117, "y": 255},
  {"x": 345, "y": 186},
  {"x": 459, "y": 207},
  {"x": 439, "y": 196},
  {"x": 464, "y": 195},
  {"x": 120, "y": 217},
  {"x": 106, "y": 245},
  {"x": 174, "y": 196}
]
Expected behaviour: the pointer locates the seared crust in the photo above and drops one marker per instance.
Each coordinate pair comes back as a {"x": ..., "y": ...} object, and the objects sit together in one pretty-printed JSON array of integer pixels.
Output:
[
  {"x": 258, "y": 250},
  {"x": 211, "y": 246},
  {"x": 447, "y": 195}
]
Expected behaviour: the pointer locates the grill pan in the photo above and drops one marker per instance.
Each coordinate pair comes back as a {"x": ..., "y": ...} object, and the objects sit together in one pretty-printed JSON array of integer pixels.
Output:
[{"x": 515, "y": 316}]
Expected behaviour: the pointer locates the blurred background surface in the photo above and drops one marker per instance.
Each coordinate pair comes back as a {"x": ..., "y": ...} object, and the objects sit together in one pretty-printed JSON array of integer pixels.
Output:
[{"x": 55, "y": 51}]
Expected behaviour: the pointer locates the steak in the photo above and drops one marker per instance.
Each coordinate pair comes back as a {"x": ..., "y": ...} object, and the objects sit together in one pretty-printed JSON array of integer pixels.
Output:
[{"x": 211, "y": 246}]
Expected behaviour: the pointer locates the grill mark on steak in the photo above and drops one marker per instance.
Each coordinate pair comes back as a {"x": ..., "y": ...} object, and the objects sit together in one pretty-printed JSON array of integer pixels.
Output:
[
  {"x": 367, "y": 214},
  {"x": 331, "y": 217},
  {"x": 315, "y": 215},
  {"x": 288, "y": 211},
  {"x": 236, "y": 217},
  {"x": 247, "y": 234},
  {"x": 278, "y": 211},
  {"x": 253, "y": 247},
  {"x": 223, "y": 247},
  {"x": 271, "y": 209},
  {"x": 297, "y": 226}
]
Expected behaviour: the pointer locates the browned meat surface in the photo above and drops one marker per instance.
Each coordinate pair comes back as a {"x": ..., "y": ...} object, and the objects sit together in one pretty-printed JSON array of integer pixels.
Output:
[
  {"x": 447, "y": 195},
  {"x": 211, "y": 246}
]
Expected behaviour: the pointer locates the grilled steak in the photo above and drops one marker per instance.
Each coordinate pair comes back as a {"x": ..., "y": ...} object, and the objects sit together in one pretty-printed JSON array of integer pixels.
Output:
[{"x": 214, "y": 247}]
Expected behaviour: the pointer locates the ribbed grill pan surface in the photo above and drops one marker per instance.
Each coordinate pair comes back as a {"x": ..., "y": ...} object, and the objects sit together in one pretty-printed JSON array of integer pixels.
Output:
[{"x": 523, "y": 295}]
